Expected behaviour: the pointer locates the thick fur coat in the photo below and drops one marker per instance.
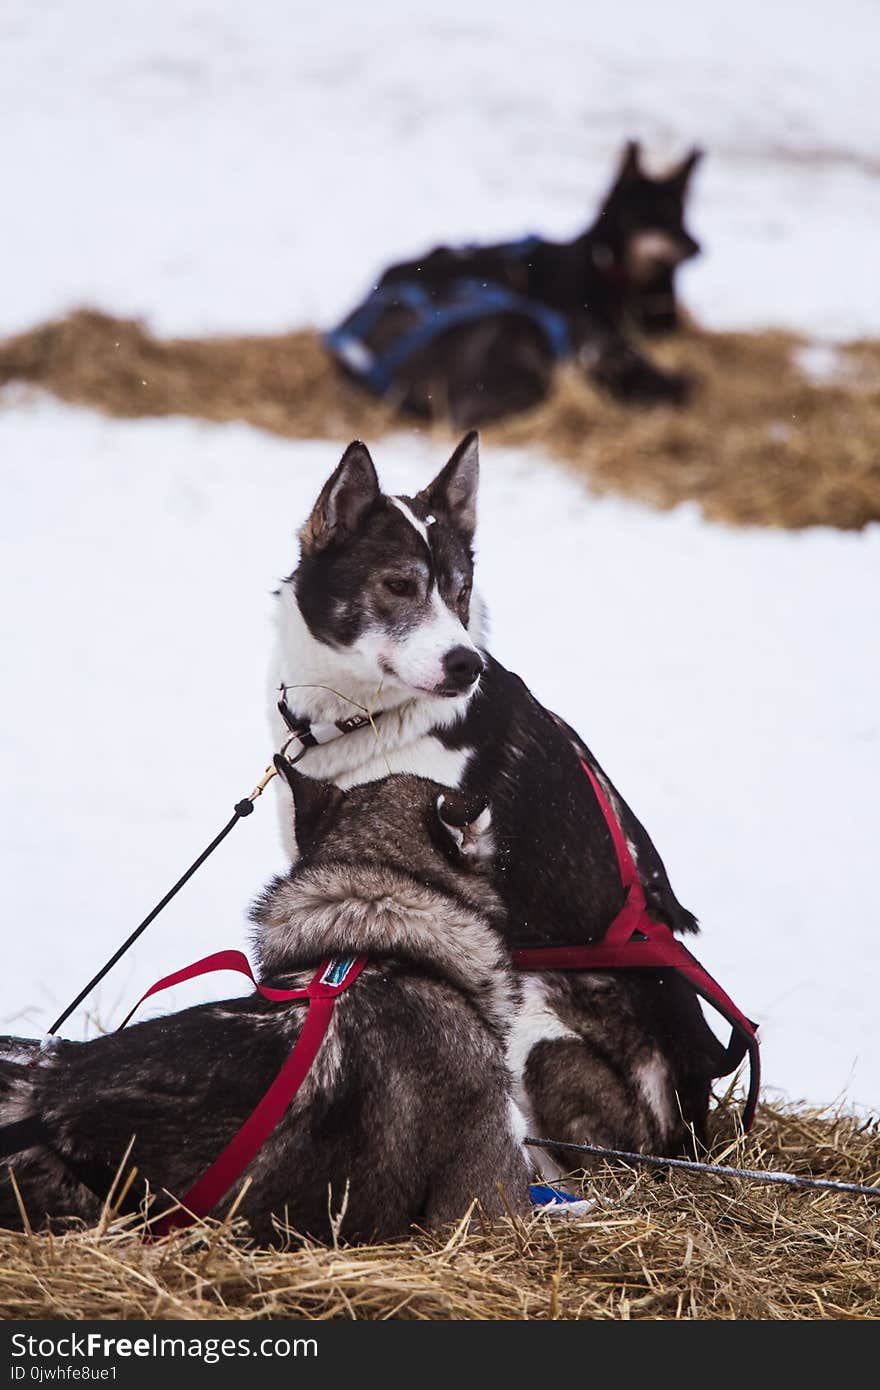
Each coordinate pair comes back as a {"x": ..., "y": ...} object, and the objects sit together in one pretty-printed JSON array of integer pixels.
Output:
[{"x": 405, "y": 1115}]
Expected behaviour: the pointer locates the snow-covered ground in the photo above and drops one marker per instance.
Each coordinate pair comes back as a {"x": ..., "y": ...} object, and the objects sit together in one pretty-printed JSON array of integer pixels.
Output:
[{"x": 219, "y": 167}]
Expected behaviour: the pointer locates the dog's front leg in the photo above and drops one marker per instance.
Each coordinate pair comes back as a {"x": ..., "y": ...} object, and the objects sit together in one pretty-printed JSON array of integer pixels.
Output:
[
  {"x": 618, "y": 368},
  {"x": 580, "y": 1093}
]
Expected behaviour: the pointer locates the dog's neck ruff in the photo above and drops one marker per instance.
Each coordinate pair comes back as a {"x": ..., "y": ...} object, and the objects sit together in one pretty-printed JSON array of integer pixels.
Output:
[{"x": 371, "y": 907}]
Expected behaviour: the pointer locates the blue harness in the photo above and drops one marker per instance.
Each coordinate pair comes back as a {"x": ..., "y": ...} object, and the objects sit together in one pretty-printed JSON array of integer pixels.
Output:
[{"x": 467, "y": 301}]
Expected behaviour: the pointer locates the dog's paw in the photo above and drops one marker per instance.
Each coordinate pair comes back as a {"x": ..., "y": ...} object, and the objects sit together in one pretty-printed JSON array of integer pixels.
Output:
[
  {"x": 629, "y": 377},
  {"x": 680, "y": 387},
  {"x": 662, "y": 388}
]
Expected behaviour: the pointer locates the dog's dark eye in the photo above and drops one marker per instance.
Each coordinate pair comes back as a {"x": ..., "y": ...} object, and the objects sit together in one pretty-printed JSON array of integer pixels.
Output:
[
  {"x": 464, "y": 595},
  {"x": 402, "y": 588}
]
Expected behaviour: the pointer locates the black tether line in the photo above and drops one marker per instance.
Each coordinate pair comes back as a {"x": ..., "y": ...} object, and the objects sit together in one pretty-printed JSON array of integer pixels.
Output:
[
  {"x": 718, "y": 1170},
  {"x": 243, "y": 808},
  {"x": 298, "y": 730}
]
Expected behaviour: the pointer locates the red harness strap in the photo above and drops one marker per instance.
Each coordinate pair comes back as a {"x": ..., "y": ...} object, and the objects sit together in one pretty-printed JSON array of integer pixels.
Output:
[
  {"x": 634, "y": 939},
  {"x": 333, "y": 976}
]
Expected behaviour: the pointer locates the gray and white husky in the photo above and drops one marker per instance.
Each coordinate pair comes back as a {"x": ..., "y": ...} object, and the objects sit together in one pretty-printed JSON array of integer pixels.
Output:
[
  {"x": 405, "y": 1115},
  {"x": 380, "y": 615}
]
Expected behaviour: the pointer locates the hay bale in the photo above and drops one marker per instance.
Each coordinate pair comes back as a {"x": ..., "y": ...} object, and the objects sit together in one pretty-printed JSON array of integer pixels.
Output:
[
  {"x": 760, "y": 444},
  {"x": 285, "y": 384},
  {"x": 681, "y": 1246}
]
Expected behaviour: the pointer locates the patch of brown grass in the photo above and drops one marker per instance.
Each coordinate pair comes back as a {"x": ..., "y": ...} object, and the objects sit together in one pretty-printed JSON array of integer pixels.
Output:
[
  {"x": 671, "y": 1247},
  {"x": 286, "y": 384},
  {"x": 760, "y": 444}
]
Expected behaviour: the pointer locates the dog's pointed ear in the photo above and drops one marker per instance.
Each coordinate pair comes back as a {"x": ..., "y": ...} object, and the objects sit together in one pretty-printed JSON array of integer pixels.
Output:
[
  {"x": 343, "y": 501},
  {"x": 680, "y": 177},
  {"x": 465, "y": 825},
  {"x": 630, "y": 165},
  {"x": 315, "y": 803},
  {"x": 453, "y": 493}
]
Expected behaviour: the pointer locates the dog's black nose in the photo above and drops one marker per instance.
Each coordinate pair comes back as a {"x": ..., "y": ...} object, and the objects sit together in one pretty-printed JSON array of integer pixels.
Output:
[{"x": 461, "y": 667}]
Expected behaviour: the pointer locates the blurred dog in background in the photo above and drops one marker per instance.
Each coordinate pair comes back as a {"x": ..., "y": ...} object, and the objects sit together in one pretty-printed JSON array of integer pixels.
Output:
[{"x": 474, "y": 332}]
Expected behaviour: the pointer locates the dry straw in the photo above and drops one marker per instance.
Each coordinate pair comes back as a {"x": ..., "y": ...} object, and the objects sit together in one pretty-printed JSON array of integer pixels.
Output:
[
  {"x": 761, "y": 443},
  {"x": 672, "y": 1246}
]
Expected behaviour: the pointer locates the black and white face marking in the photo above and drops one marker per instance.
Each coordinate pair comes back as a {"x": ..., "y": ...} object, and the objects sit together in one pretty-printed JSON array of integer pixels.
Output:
[
  {"x": 388, "y": 580},
  {"x": 652, "y": 251}
]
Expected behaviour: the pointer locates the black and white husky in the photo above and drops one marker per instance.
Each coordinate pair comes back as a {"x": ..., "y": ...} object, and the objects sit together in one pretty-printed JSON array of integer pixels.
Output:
[
  {"x": 405, "y": 1115},
  {"x": 380, "y": 615}
]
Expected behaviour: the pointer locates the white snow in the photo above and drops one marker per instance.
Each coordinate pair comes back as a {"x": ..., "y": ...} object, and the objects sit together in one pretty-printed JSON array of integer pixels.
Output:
[
  {"x": 217, "y": 168},
  {"x": 232, "y": 167}
]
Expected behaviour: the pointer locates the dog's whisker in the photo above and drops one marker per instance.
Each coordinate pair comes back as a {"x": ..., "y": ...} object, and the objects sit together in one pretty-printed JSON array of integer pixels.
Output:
[
  {"x": 370, "y": 716},
  {"x": 304, "y": 685}
]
